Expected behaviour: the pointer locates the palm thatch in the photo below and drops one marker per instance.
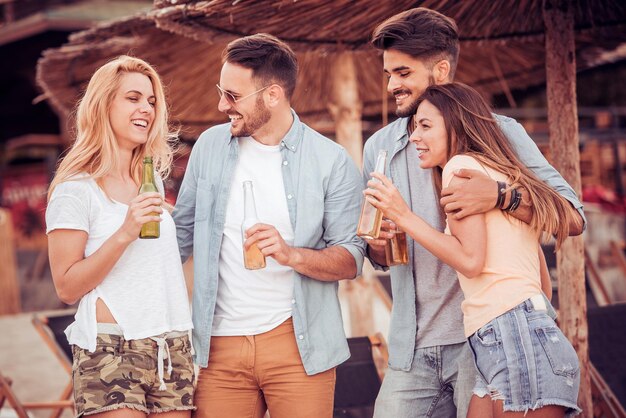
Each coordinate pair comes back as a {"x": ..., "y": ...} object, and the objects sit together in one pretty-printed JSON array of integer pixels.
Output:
[
  {"x": 500, "y": 38},
  {"x": 340, "y": 24},
  {"x": 502, "y": 48}
]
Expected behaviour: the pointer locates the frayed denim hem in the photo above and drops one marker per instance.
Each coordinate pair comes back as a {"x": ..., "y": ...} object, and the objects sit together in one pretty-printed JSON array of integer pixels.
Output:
[
  {"x": 571, "y": 410},
  {"x": 481, "y": 393},
  {"x": 493, "y": 393}
]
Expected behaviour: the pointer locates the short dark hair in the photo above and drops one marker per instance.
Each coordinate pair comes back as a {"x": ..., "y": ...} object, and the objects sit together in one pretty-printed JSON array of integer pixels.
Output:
[
  {"x": 421, "y": 33},
  {"x": 270, "y": 59}
]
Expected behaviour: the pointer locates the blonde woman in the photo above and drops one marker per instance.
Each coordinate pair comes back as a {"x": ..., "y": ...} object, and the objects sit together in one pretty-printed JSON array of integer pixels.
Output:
[
  {"x": 524, "y": 363},
  {"x": 132, "y": 354}
]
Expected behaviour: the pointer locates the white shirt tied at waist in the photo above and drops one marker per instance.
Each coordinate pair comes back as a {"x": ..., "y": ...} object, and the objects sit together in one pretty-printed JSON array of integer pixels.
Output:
[{"x": 163, "y": 349}]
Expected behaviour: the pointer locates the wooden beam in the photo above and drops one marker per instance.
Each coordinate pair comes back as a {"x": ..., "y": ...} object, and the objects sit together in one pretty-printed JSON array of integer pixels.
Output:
[
  {"x": 558, "y": 17},
  {"x": 345, "y": 106}
]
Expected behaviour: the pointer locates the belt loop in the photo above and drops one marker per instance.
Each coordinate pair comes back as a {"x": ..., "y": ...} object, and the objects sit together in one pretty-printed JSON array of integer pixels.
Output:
[
  {"x": 529, "y": 305},
  {"x": 120, "y": 344}
]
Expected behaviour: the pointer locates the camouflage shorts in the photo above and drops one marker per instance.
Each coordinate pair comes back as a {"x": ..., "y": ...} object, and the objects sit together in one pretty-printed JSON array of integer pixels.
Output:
[{"x": 123, "y": 374}]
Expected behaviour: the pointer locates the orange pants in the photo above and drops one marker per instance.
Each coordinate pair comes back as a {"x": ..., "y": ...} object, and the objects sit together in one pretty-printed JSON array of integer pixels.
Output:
[{"x": 247, "y": 375}]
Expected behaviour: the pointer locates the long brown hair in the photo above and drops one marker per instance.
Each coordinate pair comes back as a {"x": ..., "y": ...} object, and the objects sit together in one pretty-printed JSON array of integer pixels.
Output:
[{"x": 472, "y": 129}]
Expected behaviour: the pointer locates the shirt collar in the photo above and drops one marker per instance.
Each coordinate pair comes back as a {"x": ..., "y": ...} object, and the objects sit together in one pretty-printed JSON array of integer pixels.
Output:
[
  {"x": 403, "y": 129},
  {"x": 291, "y": 141}
]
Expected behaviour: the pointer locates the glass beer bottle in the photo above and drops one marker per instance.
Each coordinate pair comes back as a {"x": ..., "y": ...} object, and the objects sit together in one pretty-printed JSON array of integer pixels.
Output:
[
  {"x": 149, "y": 229},
  {"x": 371, "y": 218},
  {"x": 396, "y": 249},
  {"x": 253, "y": 258}
]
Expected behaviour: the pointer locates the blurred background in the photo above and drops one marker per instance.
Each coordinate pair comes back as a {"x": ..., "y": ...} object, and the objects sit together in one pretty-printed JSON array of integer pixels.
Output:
[{"x": 50, "y": 48}]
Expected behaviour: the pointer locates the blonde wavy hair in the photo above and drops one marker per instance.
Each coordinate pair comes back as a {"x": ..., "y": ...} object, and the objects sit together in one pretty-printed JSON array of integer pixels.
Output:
[
  {"x": 95, "y": 150},
  {"x": 472, "y": 130}
]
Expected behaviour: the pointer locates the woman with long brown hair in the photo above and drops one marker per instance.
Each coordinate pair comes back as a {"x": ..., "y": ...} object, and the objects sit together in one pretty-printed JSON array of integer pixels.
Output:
[
  {"x": 524, "y": 362},
  {"x": 132, "y": 351}
]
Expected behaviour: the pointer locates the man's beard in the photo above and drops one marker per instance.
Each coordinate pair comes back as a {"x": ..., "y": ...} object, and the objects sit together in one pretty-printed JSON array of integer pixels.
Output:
[
  {"x": 411, "y": 108},
  {"x": 259, "y": 117},
  {"x": 407, "y": 111}
]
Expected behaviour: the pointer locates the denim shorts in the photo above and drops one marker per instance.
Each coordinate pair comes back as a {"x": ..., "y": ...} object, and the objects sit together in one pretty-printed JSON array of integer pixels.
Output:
[{"x": 524, "y": 359}]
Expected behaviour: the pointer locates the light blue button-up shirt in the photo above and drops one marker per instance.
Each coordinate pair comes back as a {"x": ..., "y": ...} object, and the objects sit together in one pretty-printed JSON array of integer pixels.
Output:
[
  {"x": 323, "y": 194},
  {"x": 394, "y": 139}
]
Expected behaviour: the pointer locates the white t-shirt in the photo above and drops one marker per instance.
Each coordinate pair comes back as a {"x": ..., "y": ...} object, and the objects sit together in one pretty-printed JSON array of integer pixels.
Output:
[
  {"x": 250, "y": 302},
  {"x": 145, "y": 290}
]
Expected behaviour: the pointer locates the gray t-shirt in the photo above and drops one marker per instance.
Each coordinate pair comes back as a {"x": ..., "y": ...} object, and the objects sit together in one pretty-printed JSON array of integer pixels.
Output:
[{"x": 438, "y": 294}]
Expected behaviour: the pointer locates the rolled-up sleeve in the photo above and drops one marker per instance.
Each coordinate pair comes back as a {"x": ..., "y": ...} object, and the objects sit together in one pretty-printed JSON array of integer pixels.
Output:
[
  {"x": 342, "y": 207},
  {"x": 529, "y": 154}
]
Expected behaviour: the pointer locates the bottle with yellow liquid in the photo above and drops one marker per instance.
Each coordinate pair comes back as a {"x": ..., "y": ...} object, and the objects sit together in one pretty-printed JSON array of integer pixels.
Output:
[
  {"x": 396, "y": 249},
  {"x": 371, "y": 218},
  {"x": 253, "y": 259},
  {"x": 149, "y": 229}
]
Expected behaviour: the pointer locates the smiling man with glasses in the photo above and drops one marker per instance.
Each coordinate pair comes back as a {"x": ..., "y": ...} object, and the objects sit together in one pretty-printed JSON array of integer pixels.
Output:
[{"x": 268, "y": 338}]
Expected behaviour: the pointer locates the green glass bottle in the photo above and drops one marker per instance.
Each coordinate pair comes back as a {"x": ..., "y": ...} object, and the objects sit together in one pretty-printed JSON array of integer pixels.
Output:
[{"x": 149, "y": 229}]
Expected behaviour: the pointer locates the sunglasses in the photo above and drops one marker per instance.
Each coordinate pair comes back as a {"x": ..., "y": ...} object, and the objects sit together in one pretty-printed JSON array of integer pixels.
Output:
[{"x": 231, "y": 99}]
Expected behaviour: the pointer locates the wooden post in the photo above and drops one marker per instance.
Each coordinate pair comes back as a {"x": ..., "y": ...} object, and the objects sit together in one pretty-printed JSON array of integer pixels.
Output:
[
  {"x": 345, "y": 106},
  {"x": 9, "y": 285},
  {"x": 558, "y": 17}
]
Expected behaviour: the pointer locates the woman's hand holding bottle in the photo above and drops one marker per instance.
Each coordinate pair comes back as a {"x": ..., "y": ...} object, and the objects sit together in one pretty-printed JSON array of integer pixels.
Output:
[
  {"x": 383, "y": 195},
  {"x": 140, "y": 211}
]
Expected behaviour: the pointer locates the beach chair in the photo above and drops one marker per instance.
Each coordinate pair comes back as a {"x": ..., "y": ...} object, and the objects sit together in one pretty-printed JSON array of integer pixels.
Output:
[
  {"x": 607, "y": 342},
  {"x": 359, "y": 378},
  {"x": 7, "y": 395},
  {"x": 618, "y": 249},
  {"x": 50, "y": 328},
  {"x": 605, "y": 403}
]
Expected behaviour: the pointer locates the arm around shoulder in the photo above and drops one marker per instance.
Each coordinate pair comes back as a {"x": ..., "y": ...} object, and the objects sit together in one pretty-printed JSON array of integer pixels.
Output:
[{"x": 530, "y": 155}]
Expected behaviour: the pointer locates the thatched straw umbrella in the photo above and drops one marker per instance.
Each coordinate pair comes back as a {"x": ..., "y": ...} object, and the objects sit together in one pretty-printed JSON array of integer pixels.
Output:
[
  {"x": 503, "y": 48},
  {"x": 340, "y": 78}
]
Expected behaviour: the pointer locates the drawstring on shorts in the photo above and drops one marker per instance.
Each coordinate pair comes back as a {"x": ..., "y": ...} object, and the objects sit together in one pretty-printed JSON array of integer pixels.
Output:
[{"x": 162, "y": 353}]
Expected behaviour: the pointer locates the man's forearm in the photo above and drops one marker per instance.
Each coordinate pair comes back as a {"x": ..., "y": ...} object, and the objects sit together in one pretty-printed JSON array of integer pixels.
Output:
[
  {"x": 329, "y": 264},
  {"x": 576, "y": 225},
  {"x": 525, "y": 213}
]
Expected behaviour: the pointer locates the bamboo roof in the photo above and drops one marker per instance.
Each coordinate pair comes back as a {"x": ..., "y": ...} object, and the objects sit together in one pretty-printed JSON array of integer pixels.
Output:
[
  {"x": 502, "y": 48},
  {"x": 333, "y": 24}
]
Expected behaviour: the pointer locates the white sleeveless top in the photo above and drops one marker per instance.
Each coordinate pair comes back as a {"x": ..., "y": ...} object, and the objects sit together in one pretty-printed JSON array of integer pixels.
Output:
[{"x": 145, "y": 290}]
